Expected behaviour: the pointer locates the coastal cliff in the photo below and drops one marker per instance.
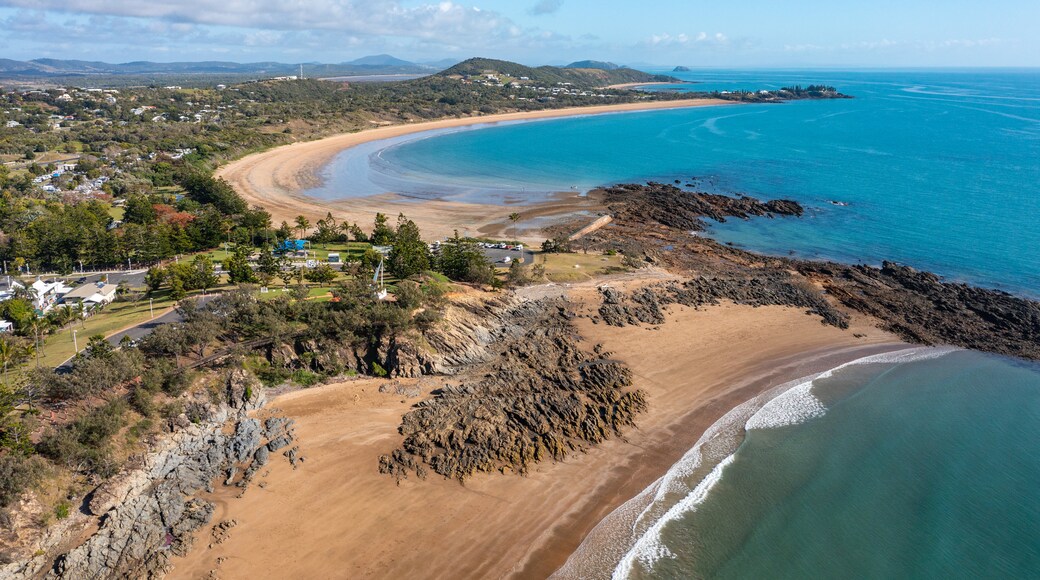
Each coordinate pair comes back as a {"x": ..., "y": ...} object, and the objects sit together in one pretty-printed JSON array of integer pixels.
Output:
[{"x": 139, "y": 519}]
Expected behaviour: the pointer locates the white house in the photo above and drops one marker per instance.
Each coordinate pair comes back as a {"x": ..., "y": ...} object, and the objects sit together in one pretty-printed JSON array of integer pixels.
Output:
[
  {"x": 46, "y": 294},
  {"x": 91, "y": 294},
  {"x": 6, "y": 326}
]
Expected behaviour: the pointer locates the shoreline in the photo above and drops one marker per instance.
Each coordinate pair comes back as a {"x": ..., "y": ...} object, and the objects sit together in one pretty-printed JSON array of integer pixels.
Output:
[
  {"x": 276, "y": 179},
  {"x": 337, "y": 515},
  {"x": 695, "y": 471}
]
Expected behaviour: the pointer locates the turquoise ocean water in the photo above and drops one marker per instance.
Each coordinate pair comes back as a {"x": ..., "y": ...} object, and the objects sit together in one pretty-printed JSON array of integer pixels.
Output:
[{"x": 923, "y": 464}]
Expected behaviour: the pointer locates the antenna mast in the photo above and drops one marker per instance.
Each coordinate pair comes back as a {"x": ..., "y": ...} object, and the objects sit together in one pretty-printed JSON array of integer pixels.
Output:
[{"x": 301, "y": 71}]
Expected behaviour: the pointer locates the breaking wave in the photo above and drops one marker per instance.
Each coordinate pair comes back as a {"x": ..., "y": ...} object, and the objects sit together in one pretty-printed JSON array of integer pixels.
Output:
[{"x": 637, "y": 524}]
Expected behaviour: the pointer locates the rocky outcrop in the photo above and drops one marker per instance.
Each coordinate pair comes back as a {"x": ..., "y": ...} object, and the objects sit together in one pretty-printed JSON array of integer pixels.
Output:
[
  {"x": 677, "y": 208},
  {"x": 653, "y": 224},
  {"x": 538, "y": 396},
  {"x": 147, "y": 514},
  {"x": 920, "y": 307},
  {"x": 646, "y": 305},
  {"x": 397, "y": 355}
]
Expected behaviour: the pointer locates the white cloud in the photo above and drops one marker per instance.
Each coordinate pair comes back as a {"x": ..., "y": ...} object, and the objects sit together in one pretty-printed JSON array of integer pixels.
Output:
[
  {"x": 546, "y": 7},
  {"x": 444, "y": 20},
  {"x": 683, "y": 39},
  {"x": 264, "y": 29}
]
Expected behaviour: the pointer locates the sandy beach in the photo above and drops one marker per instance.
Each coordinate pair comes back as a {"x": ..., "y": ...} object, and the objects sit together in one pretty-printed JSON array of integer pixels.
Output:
[
  {"x": 275, "y": 179},
  {"x": 337, "y": 517}
]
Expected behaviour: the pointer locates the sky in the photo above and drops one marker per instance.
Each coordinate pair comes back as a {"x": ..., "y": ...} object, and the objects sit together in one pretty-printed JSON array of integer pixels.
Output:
[{"x": 695, "y": 33}]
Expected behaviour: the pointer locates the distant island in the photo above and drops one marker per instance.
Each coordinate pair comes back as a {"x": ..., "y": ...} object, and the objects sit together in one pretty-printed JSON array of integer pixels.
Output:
[{"x": 681, "y": 69}]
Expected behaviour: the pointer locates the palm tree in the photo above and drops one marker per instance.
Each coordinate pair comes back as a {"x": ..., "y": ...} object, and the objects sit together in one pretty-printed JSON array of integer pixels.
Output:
[
  {"x": 8, "y": 352},
  {"x": 515, "y": 217},
  {"x": 345, "y": 229},
  {"x": 66, "y": 314},
  {"x": 302, "y": 224}
]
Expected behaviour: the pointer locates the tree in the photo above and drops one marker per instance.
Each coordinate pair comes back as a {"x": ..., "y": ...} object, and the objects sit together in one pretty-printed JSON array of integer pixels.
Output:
[
  {"x": 462, "y": 260},
  {"x": 382, "y": 233},
  {"x": 267, "y": 266},
  {"x": 155, "y": 278},
  {"x": 287, "y": 274},
  {"x": 302, "y": 224},
  {"x": 98, "y": 347},
  {"x": 514, "y": 217},
  {"x": 177, "y": 291},
  {"x": 323, "y": 275},
  {"x": 284, "y": 231},
  {"x": 8, "y": 353},
  {"x": 139, "y": 210},
  {"x": 238, "y": 268},
  {"x": 203, "y": 276},
  {"x": 409, "y": 255}
]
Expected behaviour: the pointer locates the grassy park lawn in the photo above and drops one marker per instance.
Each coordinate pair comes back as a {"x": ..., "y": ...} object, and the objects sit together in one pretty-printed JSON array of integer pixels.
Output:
[
  {"x": 579, "y": 267},
  {"x": 348, "y": 251},
  {"x": 115, "y": 317}
]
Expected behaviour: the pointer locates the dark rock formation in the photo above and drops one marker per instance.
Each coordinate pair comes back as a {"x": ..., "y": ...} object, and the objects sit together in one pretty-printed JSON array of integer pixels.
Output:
[
  {"x": 539, "y": 396},
  {"x": 677, "y": 208},
  {"x": 397, "y": 355},
  {"x": 653, "y": 223},
  {"x": 920, "y": 307},
  {"x": 646, "y": 305}
]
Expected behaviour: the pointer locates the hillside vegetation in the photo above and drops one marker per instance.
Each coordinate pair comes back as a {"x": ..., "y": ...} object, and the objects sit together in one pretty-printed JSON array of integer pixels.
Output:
[{"x": 549, "y": 75}]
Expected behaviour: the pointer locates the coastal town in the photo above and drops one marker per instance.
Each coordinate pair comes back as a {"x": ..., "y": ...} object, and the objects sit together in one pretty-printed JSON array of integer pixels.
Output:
[{"x": 273, "y": 309}]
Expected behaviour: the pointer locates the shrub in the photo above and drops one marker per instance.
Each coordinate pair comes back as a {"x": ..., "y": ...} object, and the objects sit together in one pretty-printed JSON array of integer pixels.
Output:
[
  {"x": 61, "y": 511},
  {"x": 17, "y": 473},
  {"x": 83, "y": 445},
  {"x": 305, "y": 378},
  {"x": 378, "y": 370}
]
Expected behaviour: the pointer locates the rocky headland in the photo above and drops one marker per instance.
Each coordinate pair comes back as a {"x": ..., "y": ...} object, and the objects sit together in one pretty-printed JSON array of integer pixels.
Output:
[{"x": 653, "y": 224}]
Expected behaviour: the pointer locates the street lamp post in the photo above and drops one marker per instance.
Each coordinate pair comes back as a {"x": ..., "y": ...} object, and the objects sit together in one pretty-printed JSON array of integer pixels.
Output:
[
  {"x": 150, "y": 311},
  {"x": 75, "y": 345}
]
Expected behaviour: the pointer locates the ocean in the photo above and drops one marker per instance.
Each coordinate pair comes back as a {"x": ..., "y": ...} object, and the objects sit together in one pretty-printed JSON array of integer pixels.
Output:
[{"x": 921, "y": 464}]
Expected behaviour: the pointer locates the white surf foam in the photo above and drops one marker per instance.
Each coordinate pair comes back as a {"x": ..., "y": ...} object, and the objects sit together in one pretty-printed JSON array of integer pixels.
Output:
[
  {"x": 649, "y": 548},
  {"x": 795, "y": 405}
]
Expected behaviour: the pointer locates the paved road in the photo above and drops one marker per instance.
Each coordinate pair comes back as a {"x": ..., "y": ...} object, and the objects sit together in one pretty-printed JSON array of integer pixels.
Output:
[
  {"x": 138, "y": 332},
  {"x": 497, "y": 256}
]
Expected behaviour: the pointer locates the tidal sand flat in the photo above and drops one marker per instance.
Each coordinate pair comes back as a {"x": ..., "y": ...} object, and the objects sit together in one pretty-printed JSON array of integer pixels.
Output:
[{"x": 278, "y": 179}]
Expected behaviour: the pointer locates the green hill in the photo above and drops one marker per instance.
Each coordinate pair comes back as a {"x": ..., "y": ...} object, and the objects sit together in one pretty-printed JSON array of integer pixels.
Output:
[
  {"x": 594, "y": 64},
  {"x": 551, "y": 75}
]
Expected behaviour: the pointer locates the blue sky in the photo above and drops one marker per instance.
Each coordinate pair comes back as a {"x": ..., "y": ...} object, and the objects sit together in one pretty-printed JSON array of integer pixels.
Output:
[{"x": 748, "y": 33}]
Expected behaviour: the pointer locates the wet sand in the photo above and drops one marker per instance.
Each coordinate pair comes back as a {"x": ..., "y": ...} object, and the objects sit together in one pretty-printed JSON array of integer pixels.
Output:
[{"x": 276, "y": 179}]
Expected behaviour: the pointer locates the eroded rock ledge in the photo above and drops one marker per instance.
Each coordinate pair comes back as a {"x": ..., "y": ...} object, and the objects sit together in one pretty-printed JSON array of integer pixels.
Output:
[
  {"x": 147, "y": 514},
  {"x": 538, "y": 395}
]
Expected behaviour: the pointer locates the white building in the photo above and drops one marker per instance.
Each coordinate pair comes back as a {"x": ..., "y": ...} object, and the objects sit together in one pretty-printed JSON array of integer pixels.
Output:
[{"x": 91, "y": 294}]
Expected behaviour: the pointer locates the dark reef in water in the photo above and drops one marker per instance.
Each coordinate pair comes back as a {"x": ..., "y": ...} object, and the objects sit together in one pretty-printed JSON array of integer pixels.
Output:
[{"x": 653, "y": 222}]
